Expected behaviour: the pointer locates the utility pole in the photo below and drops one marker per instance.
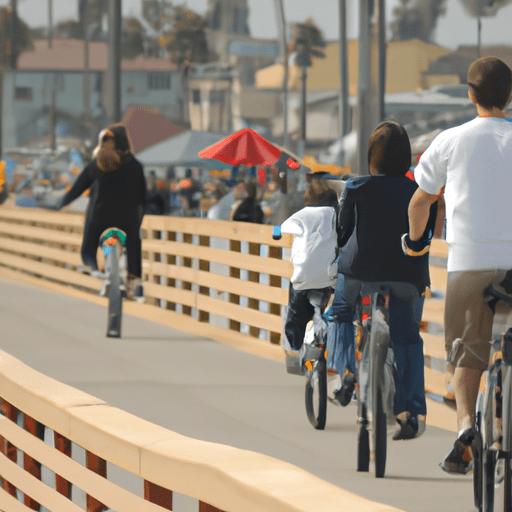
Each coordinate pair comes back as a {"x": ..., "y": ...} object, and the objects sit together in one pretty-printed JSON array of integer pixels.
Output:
[
  {"x": 14, "y": 33},
  {"x": 52, "y": 120},
  {"x": 303, "y": 108},
  {"x": 367, "y": 108},
  {"x": 381, "y": 24},
  {"x": 281, "y": 26},
  {"x": 87, "y": 81},
  {"x": 479, "y": 37},
  {"x": 50, "y": 23},
  {"x": 114, "y": 62},
  {"x": 343, "y": 100}
]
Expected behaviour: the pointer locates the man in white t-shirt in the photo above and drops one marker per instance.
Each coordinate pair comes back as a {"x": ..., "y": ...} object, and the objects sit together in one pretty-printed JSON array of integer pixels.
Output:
[{"x": 471, "y": 165}]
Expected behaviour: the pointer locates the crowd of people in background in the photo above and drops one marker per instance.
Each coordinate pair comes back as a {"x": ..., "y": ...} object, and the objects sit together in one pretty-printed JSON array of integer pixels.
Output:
[{"x": 243, "y": 196}]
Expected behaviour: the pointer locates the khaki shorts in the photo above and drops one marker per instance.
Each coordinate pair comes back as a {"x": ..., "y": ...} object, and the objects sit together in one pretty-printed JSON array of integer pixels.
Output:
[{"x": 468, "y": 319}]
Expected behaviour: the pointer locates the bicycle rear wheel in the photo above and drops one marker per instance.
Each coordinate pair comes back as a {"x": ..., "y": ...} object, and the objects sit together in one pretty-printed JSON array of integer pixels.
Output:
[
  {"x": 115, "y": 301},
  {"x": 378, "y": 351},
  {"x": 363, "y": 442},
  {"x": 316, "y": 394}
]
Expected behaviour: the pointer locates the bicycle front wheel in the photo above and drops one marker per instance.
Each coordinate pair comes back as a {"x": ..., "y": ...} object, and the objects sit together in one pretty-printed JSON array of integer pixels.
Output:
[
  {"x": 378, "y": 351},
  {"x": 507, "y": 436},
  {"x": 316, "y": 394},
  {"x": 115, "y": 300}
]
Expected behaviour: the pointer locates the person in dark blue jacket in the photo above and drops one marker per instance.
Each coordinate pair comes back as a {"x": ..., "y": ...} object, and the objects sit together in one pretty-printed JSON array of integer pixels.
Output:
[
  {"x": 372, "y": 217},
  {"x": 117, "y": 198}
]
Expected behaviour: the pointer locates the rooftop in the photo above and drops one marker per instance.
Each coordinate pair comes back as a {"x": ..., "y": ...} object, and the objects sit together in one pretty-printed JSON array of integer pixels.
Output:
[{"x": 69, "y": 55}]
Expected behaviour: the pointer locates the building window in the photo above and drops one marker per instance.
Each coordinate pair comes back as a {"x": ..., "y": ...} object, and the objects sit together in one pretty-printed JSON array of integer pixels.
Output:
[
  {"x": 196, "y": 96},
  {"x": 23, "y": 93},
  {"x": 159, "y": 81},
  {"x": 215, "y": 96}
]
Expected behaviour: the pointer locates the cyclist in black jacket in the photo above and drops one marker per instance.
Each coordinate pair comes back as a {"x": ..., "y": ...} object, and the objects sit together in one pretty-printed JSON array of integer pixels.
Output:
[
  {"x": 117, "y": 187},
  {"x": 372, "y": 217}
]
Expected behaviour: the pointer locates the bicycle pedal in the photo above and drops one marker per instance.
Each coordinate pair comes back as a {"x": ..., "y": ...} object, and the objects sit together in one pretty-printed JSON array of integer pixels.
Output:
[{"x": 308, "y": 365}]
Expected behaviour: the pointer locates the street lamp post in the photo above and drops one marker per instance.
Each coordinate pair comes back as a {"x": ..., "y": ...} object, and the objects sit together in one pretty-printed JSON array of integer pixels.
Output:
[
  {"x": 281, "y": 25},
  {"x": 114, "y": 61},
  {"x": 364, "y": 92},
  {"x": 343, "y": 100}
]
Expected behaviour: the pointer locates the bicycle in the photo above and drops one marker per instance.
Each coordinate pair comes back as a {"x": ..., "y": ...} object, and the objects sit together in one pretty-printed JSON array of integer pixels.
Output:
[
  {"x": 492, "y": 443},
  {"x": 113, "y": 244},
  {"x": 375, "y": 384},
  {"x": 312, "y": 357}
]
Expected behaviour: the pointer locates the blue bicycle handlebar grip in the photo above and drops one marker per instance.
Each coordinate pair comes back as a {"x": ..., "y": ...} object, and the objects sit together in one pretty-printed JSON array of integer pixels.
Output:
[{"x": 276, "y": 232}]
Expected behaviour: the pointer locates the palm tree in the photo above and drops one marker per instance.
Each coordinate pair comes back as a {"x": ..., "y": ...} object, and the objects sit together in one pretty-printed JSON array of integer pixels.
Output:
[{"x": 306, "y": 43}]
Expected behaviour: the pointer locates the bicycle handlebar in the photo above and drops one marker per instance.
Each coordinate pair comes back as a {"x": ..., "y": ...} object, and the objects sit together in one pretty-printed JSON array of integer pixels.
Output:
[{"x": 276, "y": 232}]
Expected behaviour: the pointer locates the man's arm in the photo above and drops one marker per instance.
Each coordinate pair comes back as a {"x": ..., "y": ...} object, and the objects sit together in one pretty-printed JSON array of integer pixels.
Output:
[{"x": 419, "y": 211}]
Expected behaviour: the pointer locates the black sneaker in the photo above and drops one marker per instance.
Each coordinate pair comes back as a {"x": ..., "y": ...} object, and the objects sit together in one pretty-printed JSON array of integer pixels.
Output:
[
  {"x": 459, "y": 460},
  {"x": 344, "y": 395},
  {"x": 405, "y": 430}
]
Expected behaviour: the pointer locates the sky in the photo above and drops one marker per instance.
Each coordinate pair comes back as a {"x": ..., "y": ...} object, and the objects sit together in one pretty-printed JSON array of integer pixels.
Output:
[{"x": 453, "y": 29}]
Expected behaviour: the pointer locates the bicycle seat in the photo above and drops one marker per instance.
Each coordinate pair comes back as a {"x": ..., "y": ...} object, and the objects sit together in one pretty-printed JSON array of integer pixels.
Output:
[
  {"x": 493, "y": 293},
  {"x": 319, "y": 297},
  {"x": 112, "y": 234}
]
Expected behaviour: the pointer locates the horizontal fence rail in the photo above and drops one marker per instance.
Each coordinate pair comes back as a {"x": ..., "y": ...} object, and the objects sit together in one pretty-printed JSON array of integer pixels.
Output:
[
  {"x": 224, "y": 280},
  {"x": 36, "y": 408}
]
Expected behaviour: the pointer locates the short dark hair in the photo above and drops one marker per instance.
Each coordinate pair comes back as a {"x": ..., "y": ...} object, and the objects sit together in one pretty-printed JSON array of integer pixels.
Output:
[
  {"x": 389, "y": 149},
  {"x": 491, "y": 81}
]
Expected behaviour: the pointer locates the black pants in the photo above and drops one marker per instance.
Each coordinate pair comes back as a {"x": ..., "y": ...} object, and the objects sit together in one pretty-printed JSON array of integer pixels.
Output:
[
  {"x": 300, "y": 312},
  {"x": 92, "y": 231}
]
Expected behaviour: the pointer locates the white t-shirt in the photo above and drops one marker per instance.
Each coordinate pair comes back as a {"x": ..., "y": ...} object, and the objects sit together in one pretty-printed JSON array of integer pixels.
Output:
[{"x": 474, "y": 164}]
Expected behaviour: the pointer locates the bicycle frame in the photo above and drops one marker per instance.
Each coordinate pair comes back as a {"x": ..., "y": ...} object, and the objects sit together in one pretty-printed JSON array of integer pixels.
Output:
[{"x": 113, "y": 244}]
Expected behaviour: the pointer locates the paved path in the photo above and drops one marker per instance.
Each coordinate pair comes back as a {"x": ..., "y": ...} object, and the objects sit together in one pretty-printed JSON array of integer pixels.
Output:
[{"x": 208, "y": 390}]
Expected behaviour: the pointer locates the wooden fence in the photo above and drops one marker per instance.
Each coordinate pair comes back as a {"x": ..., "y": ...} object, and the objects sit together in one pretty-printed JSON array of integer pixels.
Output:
[
  {"x": 222, "y": 280},
  {"x": 45, "y": 423},
  {"x": 219, "y": 279}
]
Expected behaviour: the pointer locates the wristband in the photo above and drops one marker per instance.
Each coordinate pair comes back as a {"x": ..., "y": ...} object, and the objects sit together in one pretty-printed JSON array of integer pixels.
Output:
[{"x": 415, "y": 249}]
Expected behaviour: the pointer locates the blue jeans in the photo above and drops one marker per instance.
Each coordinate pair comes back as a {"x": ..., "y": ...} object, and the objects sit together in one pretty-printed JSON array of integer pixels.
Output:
[
  {"x": 340, "y": 335},
  {"x": 405, "y": 311}
]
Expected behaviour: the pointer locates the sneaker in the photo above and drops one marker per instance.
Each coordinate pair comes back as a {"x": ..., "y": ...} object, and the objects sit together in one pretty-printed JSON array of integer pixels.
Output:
[
  {"x": 83, "y": 269},
  {"x": 99, "y": 274},
  {"x": 344, "y": 395},
  {"x": 459, "y": 460},
  {"x": 406, "y": 430}
]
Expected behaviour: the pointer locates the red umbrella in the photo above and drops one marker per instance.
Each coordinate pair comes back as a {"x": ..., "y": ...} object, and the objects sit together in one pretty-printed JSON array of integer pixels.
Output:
[{"x": 243, "y": 147}]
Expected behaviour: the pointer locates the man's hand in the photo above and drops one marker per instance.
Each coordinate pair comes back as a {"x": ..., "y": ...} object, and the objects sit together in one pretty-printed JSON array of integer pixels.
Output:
[{"x": 419, "y": 211}]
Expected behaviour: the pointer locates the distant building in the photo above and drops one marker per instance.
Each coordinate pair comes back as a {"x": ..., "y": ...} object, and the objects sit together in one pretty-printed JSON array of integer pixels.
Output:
[
  {"x": 222, "y": 95},
  {"x": 52, "y": 80},
  {"x": 228, "y": 16},
  {"x": 406, "y": 61}
]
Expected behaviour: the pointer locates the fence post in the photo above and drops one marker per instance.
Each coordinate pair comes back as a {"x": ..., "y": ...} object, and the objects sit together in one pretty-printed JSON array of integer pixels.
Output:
[
  {"x": 254, "y": 277},
  {"x": 63, "y": 445},
  {"x": 275, "y": 281},
  {"x": 29, "y": 464},
  {"x": 8, "y": 449},
  {"x": 204, "y": 241},
  {"x": 98, "y": 465},
  {"x": 158, "y": 495},
  {"x": 235, "y": 246}
]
